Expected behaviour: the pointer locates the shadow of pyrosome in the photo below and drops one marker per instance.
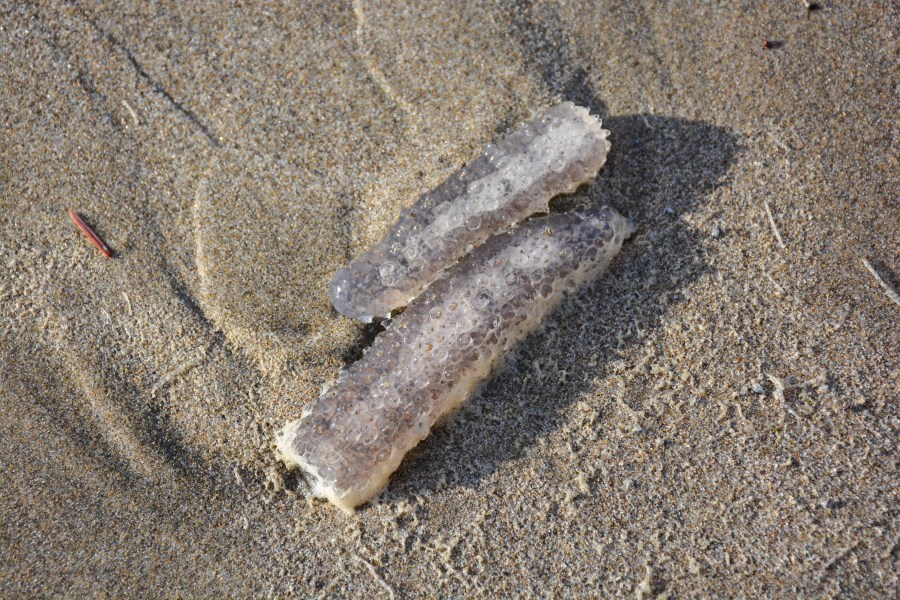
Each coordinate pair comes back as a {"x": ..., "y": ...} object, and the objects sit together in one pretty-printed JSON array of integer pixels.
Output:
[{"x": 659, "y": 168}]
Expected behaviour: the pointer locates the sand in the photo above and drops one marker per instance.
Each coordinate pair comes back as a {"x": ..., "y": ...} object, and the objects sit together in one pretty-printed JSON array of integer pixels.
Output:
[{"x": 717, "y": 417}]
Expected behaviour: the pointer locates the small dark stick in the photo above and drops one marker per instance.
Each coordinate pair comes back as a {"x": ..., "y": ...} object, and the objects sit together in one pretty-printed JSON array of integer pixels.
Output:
[{"x": 95, "y": 239}]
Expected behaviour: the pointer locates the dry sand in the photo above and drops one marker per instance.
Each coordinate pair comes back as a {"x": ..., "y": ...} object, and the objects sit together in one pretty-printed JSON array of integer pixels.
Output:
[{"x": 716, "y": 418}]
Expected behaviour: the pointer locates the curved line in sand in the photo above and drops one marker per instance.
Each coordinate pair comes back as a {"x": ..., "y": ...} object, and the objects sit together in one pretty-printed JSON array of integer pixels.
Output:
[{"x": 372, "y": 67}]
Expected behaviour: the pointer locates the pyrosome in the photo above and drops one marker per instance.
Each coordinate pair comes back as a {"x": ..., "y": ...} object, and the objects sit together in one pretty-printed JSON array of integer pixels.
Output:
[
  {"x": 448, "y": 340},
  {"x": 561, "y": 148}
]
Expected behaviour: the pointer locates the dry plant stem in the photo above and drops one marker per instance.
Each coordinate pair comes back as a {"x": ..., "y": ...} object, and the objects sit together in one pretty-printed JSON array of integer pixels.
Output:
[
  {"x": 893, "y": 295},
  {"x": 772, "y": 223},
  {"x": 95, "y": 239}
]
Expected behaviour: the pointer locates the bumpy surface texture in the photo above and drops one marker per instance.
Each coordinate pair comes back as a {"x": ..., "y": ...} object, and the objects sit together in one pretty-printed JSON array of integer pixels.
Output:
[
  {"x": 431, "y": 357},
  {"x": 561, "y": 148}
]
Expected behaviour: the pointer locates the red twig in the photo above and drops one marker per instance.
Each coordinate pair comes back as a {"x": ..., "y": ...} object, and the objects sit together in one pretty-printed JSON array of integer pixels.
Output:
[{"x": 95, "y": 239}]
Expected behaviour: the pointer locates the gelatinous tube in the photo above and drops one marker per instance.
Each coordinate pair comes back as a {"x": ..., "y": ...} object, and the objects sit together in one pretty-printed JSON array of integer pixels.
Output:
[
  {"x": 561, "y": 148},
  {"x": 435, "y": 353}
]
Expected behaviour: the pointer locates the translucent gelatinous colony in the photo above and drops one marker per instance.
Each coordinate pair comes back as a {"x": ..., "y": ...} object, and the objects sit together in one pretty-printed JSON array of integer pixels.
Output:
[
  {"x": 561, "y": 148},
  {"x": 447, "y": 341}
]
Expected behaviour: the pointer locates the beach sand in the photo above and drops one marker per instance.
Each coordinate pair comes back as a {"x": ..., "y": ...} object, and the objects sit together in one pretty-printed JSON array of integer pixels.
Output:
[{"x": 716, "y": 417}]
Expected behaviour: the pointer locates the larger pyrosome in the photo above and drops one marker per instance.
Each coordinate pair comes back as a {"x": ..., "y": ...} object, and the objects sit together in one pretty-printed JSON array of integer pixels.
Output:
[{"x": 447, "y": 341}]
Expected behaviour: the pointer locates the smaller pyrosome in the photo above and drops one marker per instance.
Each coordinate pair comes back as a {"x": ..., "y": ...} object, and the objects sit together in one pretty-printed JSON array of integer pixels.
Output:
[{"x": 561, "y": 148}]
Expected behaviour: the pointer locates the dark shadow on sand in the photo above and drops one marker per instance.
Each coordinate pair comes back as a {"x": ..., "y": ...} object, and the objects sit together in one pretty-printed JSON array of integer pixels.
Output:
[{"x": 659, "y": 168}]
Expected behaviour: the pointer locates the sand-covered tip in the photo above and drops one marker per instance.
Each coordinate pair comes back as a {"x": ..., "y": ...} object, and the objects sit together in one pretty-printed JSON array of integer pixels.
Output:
[
  {"x": 561, "y": 148},
  {"x": 447, "y": 341}
]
